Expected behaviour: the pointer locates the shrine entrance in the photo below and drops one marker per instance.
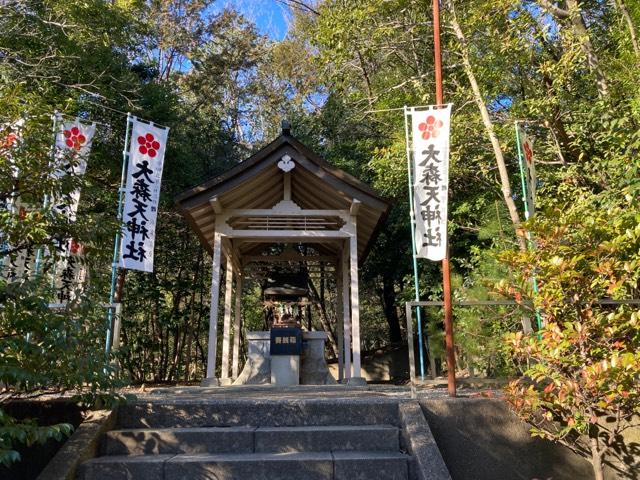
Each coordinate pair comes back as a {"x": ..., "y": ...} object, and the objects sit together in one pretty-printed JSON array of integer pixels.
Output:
[{"x": 277, "y": 218}]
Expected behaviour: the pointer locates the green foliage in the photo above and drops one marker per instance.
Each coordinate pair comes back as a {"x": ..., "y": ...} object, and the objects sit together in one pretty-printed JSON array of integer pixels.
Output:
[
  {"x": 338, "y": 76},
  {"x": 25, "y": 433},
  {"x": 582, "y": 368},
  {"x": 57, "y": 55}
]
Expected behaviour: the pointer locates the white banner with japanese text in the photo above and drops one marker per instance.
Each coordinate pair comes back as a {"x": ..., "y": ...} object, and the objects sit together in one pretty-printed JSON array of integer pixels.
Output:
[
  {"x": 74, "y": 139},
  {"x": 142, "y": 193},
  {"x": 430, "y": 135},
  {"x": 73, "y": 145},
  {"x": 70, "y": 272},
  {"x": 10, "y": 139}
]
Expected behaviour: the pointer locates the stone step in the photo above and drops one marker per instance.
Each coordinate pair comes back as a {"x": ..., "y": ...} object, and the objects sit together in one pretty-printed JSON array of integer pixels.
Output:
[
  {"x": 253, "y": 466},
  {"x": 327, "y": 438},
  {"x": 248, "y": 440},
  {"x": 142, "y": 441},
  {"x": 370, "y": 465},
  {"x": 216, "y": 412}
]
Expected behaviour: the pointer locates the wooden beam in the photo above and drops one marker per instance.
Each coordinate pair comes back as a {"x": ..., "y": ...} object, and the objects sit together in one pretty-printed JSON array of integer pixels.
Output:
[
  {"x": 268, "y": 212},
  {"x": 288, "y": 258},
  {"x": 226, "y": 330},
  {"x": 287, "y": 235},
  {"x": 216, "y": 205},
  {"x": 340, "y": 321},
  {"x": 235, "y": 256},
  {"x": 346, "y": 310},
  {"x": 355, "y": 304},
  {"x": 236, "y": 327},
  {"x": 355, "y": 207},
  {"x": 213, "y": 310}
]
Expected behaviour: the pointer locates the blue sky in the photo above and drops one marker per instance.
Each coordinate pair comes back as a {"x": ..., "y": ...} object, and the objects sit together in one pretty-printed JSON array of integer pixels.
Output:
[{"x": 271, "y": 17}]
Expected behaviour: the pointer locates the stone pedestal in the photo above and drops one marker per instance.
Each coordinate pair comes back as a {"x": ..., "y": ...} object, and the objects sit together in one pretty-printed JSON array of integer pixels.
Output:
[
  {"x": 314, "y": 369},
  {"x": 285, "y": 370},
  {"x": 311, "y": 368},
  {"x": 257, "y": 370},
  {"x": 210, "y": 382},
  {"x": 357, "y": 382}
]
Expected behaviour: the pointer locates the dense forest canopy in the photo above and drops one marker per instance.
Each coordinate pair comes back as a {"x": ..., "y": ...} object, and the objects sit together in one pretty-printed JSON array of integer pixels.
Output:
[{"x": 567, "y": 70}]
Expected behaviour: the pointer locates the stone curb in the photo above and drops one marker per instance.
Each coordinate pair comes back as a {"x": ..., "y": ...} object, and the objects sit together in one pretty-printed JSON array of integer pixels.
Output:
[
  {"x": 83, "y": 445},
  {"x": 426, "y": 460}
]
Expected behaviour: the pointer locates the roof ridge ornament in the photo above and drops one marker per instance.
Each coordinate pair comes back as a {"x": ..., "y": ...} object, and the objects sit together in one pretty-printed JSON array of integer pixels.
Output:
[
  {"x": 286, "y": 164},
  {"x": 286, "y": 127}
]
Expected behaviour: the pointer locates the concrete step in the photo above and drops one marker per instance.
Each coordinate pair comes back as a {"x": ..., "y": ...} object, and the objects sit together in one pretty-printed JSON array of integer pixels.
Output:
[
  {"x": 254, "y": 466},
  {"x": 142, "y": 441},
  {"x": 217, "y": 412},
  {"x": 370, "y": 465},
  {"x": 327, "y": 438}
]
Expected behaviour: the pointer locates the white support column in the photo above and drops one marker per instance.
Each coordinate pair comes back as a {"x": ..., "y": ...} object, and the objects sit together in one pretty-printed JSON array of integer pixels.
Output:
[
  {"x": 355, "y": 306},
  {"x": 346, "y": 311},
  {"x": 226, "y": 330},
  {"x": 340, "y": 320},
  {"x": 213, "y": 313},
  {"x": 236, "y": 327}
]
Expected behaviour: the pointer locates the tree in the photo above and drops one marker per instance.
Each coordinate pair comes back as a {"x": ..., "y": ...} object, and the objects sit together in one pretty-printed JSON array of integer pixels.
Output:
[
  {"x": 574, "y": 15},
  {"x": 486, "y": 120},
  {"x": 53, "y": 55},
  {"x": 580, "y": 384}
]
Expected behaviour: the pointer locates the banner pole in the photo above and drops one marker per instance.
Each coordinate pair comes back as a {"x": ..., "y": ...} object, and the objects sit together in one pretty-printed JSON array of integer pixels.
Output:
[
  {"x": 117, "y": 279},
  {"x": 45, "y": 202},
  {"x": 446, "y": 275},
  {"x": 523, "y": 181},
  {"x": 414, "y": 251},
  {"x": 527, "y": 214}
]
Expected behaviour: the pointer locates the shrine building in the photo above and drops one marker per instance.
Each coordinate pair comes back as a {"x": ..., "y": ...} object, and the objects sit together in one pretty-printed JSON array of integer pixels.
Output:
[{"x": 280, "y": 217}]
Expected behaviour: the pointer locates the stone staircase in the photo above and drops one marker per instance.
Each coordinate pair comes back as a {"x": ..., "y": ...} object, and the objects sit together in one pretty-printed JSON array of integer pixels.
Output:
[{"x": 338, "y": 439}]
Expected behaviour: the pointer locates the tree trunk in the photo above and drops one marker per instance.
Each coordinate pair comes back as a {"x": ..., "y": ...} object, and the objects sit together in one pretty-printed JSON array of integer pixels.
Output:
[
  {"x": 556, "y": 124},
  {"x": 574, "y": 14},
  {"x": 488, "y": 124},
  {"x": 630, "y": 25},
  {"x": 580, "y": 28},
  {"x": 324, "y": 320},
  {"x": 596, "y": 459},
  {"x": 390, "y": 310},
  {"x": 190, "y": 329}
]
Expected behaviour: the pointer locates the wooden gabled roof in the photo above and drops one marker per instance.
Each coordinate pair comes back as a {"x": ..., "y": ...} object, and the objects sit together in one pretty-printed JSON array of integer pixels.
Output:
[{"x": 258, "y": 183}]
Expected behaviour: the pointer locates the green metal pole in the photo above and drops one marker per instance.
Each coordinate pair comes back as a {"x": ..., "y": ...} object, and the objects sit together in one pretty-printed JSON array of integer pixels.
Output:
[
  {"x": 116, "y": 246},
  {"x": 527, "y": 214},
  {"x": 414, "y": 250}
]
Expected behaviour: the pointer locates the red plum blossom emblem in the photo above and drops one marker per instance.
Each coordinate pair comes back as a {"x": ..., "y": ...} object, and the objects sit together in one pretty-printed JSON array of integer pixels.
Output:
[
  {"x": 430, "y": 128},
  {"x": 74, "y": 246},
  {"x": 148, "y": 145},
  {"x": 74, "y": 138},
  {"x": 9, "y": 140}
]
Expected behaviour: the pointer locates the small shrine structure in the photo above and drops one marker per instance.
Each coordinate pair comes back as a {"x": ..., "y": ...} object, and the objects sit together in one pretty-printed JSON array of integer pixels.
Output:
[{"x": 284, "y": 195}]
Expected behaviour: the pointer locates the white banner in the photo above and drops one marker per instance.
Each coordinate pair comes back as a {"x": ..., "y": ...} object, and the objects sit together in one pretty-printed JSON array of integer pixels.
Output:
[
  {"x": 21, "y": 263},
  {"x": 73, "y": 145},
  {"x": 10, "y": 138},
  {"x": 70, "y": 272},
  {"x": 529, "y": 171},
  {"x": 142, "y": 193},
  {"x": 430, "y": 134}
]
